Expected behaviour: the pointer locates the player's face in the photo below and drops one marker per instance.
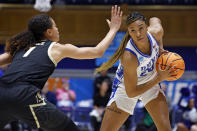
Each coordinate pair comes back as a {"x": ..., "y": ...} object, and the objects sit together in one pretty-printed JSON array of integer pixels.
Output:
[
  {"x": 53, "y": 33},
  {"x": 138, "y": 31}
]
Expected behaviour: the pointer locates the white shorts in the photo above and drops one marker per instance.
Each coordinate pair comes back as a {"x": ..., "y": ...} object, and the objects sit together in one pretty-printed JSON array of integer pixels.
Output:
[{"x": 127, "y": 104}]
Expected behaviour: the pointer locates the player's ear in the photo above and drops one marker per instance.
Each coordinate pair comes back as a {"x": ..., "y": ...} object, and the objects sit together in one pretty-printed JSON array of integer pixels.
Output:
[{"x": 48, "y": 33}]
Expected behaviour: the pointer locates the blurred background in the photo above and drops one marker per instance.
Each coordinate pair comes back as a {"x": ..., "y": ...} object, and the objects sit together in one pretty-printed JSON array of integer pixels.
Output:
[{"x": 75, "y": 89}]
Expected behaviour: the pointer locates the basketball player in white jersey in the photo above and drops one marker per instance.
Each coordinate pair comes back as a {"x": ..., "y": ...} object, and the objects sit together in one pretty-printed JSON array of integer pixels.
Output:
[{"x": 136, "y": 77}]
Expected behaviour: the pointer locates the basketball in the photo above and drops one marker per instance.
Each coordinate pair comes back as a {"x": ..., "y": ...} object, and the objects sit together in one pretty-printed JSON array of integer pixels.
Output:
[{"x": 176, "y": 60}]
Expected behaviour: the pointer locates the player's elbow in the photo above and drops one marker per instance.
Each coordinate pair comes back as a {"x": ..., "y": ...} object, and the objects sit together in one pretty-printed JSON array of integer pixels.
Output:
[{"x": 98, "y": 53}]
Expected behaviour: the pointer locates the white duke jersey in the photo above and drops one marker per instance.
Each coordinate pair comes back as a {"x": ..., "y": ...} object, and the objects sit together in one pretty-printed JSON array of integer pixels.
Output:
[{"x": 146, "y": 63}]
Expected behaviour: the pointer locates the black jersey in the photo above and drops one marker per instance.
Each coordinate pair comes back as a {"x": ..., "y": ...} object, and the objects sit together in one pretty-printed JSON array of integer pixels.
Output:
[{"x": 33, "y": 66}]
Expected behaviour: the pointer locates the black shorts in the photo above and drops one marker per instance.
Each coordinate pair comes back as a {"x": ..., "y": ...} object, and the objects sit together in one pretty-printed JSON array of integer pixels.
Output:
[{"x": 36, "y": 112}]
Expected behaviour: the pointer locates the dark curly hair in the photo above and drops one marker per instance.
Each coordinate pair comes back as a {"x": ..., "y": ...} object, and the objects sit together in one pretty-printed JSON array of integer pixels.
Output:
[{"x": 34, "y": 34}]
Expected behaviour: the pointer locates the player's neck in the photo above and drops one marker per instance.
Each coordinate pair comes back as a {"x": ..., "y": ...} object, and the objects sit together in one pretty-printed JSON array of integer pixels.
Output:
[{"x": 144, "y": 47}]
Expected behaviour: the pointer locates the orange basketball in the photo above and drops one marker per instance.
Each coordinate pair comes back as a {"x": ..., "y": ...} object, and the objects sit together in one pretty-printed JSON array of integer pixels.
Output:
[{"x": 176, "y": 59}]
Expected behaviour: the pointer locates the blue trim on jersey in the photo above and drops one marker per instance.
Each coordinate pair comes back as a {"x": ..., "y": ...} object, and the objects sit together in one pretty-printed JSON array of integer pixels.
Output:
[
  {"x": 131, "y": 41},
  {"x": 133, "y": 53},
  {"x": 120, "y": 72},
  {"x": 116, "y": 82},
  {"x": 113, "y": 93},
  {"x": 160, "y": 85},
  {"x": 155, "y": 40}
]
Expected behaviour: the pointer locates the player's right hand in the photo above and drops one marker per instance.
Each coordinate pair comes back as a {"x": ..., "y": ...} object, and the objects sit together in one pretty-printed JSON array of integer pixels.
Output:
[{"x": 167, "y": 72}]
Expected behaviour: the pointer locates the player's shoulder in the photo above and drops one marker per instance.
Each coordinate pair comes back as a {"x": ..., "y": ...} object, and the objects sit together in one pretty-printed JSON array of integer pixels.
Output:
[{"x": 129, "y": 58}]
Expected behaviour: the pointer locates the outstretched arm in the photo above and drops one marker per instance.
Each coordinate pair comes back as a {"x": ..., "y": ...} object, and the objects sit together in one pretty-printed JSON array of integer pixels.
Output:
[
  {"x": 5, "y": 58},
  {"x": 156, "y": 29},
  {"x": 60, "y": 51}
]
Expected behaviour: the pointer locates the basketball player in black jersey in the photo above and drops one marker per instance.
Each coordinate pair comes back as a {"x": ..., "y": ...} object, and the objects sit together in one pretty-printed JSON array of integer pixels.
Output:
[{"x": 33, "y": 55}]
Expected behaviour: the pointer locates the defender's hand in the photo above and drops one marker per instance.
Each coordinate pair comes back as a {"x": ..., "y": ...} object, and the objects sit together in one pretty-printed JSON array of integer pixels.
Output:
[{"x": 116, "y": 18}]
